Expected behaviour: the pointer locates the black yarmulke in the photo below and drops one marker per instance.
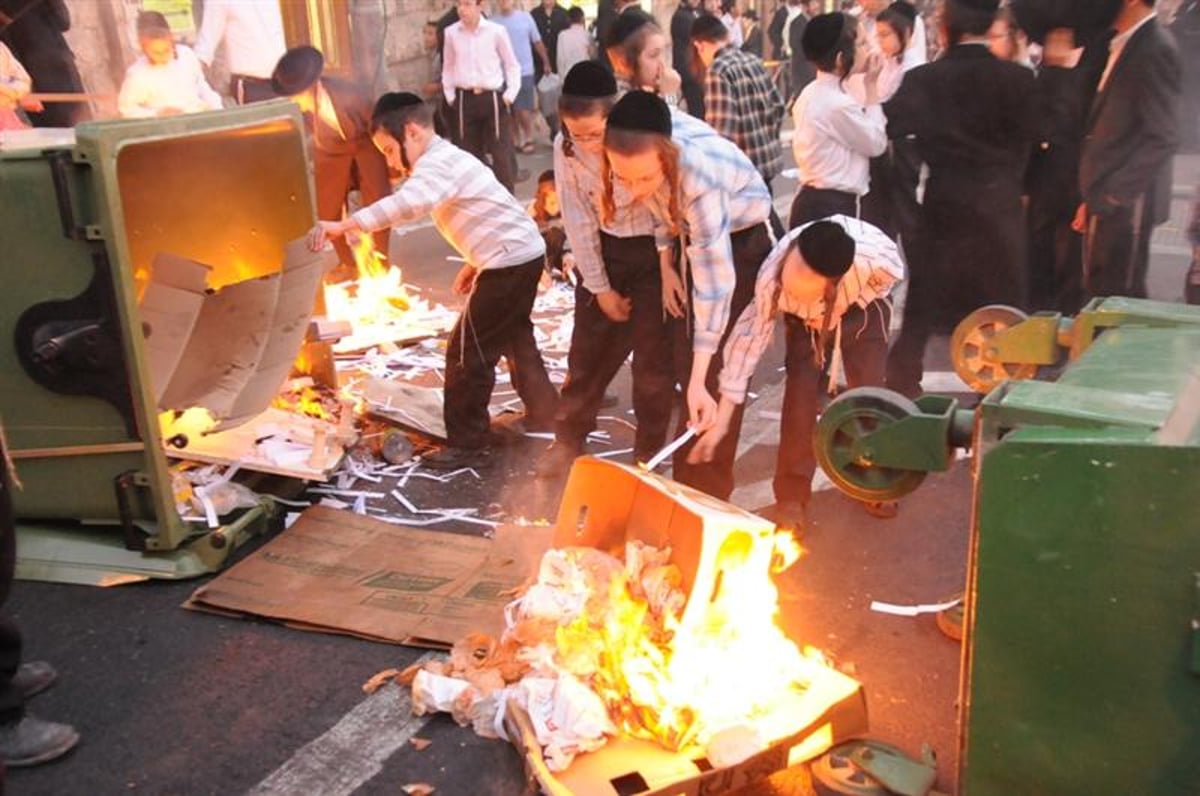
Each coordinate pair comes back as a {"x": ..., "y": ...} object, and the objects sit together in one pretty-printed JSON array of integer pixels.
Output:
[
  {"x": 822, "y": 35},
  {"x": 986, "y": 6},
  {"x": 394, "y": 101},
  {"x": 589, "y": 79},
  {"x": 905, "y": 8},
  {"x": 630, "y": 21},
  {"x": 641, "y": 111},
  {"x": 709, "y": 28},
  {"x": 298, "y": 69},
  {"x": 827, "y": 248}
]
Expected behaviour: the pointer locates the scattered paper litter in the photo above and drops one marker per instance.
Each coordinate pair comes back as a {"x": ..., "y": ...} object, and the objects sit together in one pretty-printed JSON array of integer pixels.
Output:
[{"x": 912, "y": 610}]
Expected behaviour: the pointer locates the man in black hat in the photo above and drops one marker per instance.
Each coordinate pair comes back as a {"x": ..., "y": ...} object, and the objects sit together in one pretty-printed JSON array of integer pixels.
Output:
[
  {"x": 681, "y": 33},
  {"x": 504, "y": 256},
  {"x": 339, "y": 116},
  {"x": 974, "y": 121}
]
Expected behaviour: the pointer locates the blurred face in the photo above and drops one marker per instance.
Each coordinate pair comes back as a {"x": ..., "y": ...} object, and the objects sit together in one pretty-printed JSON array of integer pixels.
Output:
[
  {"x": 712, "y": 7},
  {"x": 393, "y": 151},
  {"x": 889, "y": 41},
  {"x": 550, "y": 199},
  {"x": 429, "y": 38},
  {"x": 159, "y": 50},
  {"x": 802, "y": 284},
  {"x": 873, "y": 7},
  {"x": 1000, "y": 40},
  {"x": 642, "y": 173},
  {"x": 505, "y": 6},
  {"x": 469, "y": 12},
  {"x": 587, "y": 132},
  {"x": 652, "y": 61}
]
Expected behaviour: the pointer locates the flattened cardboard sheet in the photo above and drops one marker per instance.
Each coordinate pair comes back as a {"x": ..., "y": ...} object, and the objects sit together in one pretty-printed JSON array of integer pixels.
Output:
[
  {"x": 338, "y": 572},
  {"x": 407, "y": 405}
]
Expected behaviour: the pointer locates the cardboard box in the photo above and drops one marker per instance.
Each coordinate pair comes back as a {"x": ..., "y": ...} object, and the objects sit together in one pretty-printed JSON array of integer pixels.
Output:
[{"x": 604, "y": 505}]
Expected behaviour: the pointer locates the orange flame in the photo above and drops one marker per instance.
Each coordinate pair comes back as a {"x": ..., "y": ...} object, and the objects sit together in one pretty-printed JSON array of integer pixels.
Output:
[{"x": 375, "y": 298}]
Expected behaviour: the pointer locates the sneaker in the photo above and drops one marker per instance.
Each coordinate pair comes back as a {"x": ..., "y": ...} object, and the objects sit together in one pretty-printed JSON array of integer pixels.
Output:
[
  {"x": 557, "y": 460},
  {"x": 450, "y": 458},
  {"x": 33, "y": 678},
  {"x": 32, "y": 741}
]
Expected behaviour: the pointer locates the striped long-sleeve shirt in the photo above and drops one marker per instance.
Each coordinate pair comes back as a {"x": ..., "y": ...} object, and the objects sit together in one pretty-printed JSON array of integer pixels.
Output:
[
  {"x": 721, "y": 193},
  {"x": 578, "y": 181},
  {"x": 742, "y": 104},
  {"x": 473, "y": 211},
  {"x": 877, "y": 267}
]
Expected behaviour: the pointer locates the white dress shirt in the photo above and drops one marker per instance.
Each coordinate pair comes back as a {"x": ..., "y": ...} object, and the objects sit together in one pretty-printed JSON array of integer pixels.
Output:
[
  {"x": 836, "y": 137},
  {"x": 482, "y": 58},
  {"x": 252, "y": 31},
  {"x": 574, "y": 45},
  {"x": 178, "y": 84},
  {"x": 736, "y": 37},
  {"x": 473, "y": 211}
]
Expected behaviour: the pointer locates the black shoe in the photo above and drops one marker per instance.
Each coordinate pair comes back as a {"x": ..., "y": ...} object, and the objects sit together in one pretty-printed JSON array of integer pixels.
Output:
[
  {"x": 557, "y": 460},
  {"x": 33, "y": 678},
  {"x": 32, "y": 741},
  {"x": 457, "y": 458}
]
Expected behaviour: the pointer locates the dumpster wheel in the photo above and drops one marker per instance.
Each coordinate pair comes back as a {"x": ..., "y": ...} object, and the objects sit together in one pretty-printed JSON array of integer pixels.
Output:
[
  {"x": 844, "y": 423},
  {"x": 969, "y": 344},
  {"x": 845, "y": 770}
]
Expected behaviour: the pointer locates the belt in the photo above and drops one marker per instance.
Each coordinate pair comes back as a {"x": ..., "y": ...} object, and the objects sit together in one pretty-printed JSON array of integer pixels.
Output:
[{"x": 478, "y": 90}]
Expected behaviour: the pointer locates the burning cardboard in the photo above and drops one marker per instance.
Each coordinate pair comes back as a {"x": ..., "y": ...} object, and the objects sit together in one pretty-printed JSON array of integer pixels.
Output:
[{"x": 647, "y": 647}]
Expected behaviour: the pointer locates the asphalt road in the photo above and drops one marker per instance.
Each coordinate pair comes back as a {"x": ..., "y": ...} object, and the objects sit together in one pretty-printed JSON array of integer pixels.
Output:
[{"x": 170, "y": 701}]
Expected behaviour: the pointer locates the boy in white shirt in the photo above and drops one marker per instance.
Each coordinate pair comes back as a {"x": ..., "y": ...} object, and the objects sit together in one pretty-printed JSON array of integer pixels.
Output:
[{"x": 167, "y": 79}]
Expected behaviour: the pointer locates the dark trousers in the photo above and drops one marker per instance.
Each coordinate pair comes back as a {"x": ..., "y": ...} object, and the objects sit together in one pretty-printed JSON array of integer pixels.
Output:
[
  {"x": 495, "y": 324},
  {"x": 336, "y": 175},
  {"x": 750, "y": 247},
  {"x": 245, "y": 89},
  {"x": 877, "y": 205},
  {"x": 906, "y": 176},
  {"x": 1116, "y": 251},
  {"x": 1055, "y": 264},
  {"x": 599, "y": 346},
  {"x": 484, "y": 128},
  {"x": 12, "y": 703},
  {"x": 864, "y": 355},
  {"x": 813, "y": 204}
]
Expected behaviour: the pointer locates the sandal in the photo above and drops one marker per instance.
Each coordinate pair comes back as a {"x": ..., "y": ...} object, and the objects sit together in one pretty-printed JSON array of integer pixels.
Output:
[{"x": 882, "y": 509}]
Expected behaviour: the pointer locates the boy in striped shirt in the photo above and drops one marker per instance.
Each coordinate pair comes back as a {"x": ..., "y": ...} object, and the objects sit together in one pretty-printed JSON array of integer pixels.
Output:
[
  {"x": 830, "y": 279},
  {"x": 504, "y": 255}
]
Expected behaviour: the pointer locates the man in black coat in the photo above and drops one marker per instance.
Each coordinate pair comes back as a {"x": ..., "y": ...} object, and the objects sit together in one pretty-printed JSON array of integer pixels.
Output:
[
  {"x": 1124, "y": 170},
  {"x": 681, "y": 55},
  {"x": 33, "y": 30},
  {"x": 1186, "y": 30},
  {"x": 974, "y": 121},
  {"x": 551, "y": 20}
]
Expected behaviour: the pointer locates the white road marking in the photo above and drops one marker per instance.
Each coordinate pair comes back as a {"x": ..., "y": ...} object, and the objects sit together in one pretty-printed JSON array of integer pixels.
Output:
[{"x": 352, "y": 751}]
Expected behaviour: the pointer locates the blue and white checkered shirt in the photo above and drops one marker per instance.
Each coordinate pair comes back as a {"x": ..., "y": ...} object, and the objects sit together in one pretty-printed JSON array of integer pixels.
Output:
[
  {"x": 577, "y": 179},
  {"x": 722, "y": 193},
  {"x": 877, "y": 267}
]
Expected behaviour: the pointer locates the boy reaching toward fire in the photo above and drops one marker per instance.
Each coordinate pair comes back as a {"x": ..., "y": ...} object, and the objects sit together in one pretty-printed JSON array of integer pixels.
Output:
[
  {"x": 504, "y": 255},
  {"x": 830, "y": 279}
]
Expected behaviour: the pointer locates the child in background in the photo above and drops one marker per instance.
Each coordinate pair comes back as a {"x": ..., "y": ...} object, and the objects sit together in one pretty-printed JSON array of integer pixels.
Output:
[
  {"x": 15, "y": 84},
  {"x": 546, "y": 211},
  {"x": 166, "y": 79}
]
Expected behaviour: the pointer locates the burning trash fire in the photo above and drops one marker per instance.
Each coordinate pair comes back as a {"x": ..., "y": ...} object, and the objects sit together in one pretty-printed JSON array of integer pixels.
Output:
[
  {"x": 378, "y": 305},
  {"x": 600, "y": 647}
]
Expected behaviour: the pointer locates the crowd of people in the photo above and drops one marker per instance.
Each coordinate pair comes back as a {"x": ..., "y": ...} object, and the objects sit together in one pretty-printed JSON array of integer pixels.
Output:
[{"x": 1026, "y": 164}]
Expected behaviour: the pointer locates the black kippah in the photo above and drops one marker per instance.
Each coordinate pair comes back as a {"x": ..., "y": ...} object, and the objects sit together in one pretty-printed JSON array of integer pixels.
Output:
[
  {"x": 822, "y": 35},
  {"x": 643, "y": 112},
  {"x": 986, "y": 6},
  {"x": 709, "y": 28},
  {"x": 589, "y": 79},
  {"x": 394, "y": 101},
  {"x": 827, "y": 248},
  {"x": 297, "y": 70},
  {"x": 905, "y": 8},
  {"x": 628, "y": 22}
]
